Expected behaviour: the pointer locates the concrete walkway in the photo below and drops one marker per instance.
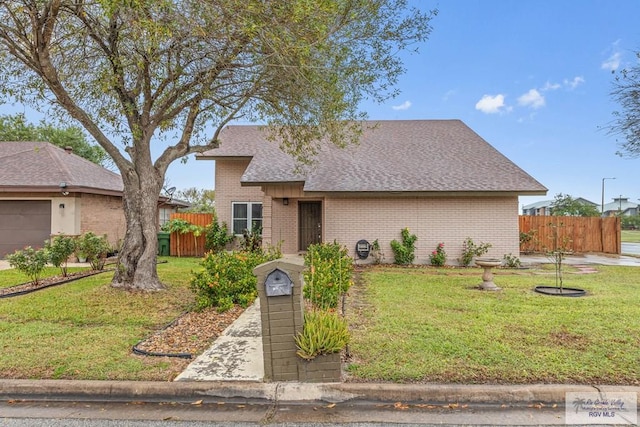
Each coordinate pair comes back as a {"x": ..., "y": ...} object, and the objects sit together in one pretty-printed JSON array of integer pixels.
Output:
[{"x": 235, "y": 356}]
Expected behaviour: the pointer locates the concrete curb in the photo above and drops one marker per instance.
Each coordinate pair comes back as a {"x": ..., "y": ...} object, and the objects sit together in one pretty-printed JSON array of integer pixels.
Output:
[{"x": 151, "y": 391}]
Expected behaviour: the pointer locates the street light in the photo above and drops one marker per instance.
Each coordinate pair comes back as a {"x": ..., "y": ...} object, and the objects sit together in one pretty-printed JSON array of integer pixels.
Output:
[{"x": 602, "y": 205}]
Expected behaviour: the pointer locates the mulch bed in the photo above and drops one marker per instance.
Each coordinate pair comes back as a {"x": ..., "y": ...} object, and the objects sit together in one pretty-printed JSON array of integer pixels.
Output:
[{"x": 189, "y": 335}]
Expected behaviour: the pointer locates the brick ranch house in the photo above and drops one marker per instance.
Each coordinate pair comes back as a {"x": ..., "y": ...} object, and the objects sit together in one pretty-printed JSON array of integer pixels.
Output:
[
  {"x": 46, "y": 190},
  {"x": 436, "y": 177}
]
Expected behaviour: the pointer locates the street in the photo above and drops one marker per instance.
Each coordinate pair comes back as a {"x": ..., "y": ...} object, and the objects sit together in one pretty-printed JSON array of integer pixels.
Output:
[
  {"x": 134, "y": 414},
  {"x": 631, "y": 248}
]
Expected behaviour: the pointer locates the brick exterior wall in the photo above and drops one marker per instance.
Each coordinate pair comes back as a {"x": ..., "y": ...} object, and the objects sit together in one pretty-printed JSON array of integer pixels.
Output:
[
  {"x": 433, "y": 220},
  {"x": 102, "y": 215},
  {"x": 229, "y": 190},
  {"x": 348, "y": 219}
]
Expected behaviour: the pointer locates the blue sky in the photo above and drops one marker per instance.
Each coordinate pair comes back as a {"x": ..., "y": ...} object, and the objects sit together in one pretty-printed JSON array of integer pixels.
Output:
[{"x": 532, "y": 77}]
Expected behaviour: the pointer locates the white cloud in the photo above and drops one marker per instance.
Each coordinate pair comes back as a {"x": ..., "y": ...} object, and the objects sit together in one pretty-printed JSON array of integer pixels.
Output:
[
  {"x": 613, "y": 61},
  {"x": 532, "y": 99},
  {"x": 550, "y": 86},
  {"x": 491, "y": 104},
  {"x": 572, "y": 84},
  {"x": 404, "y": 106}
]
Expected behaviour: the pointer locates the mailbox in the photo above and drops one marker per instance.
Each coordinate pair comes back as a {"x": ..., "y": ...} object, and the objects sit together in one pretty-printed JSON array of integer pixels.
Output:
[{"x": 277, "y": 283}]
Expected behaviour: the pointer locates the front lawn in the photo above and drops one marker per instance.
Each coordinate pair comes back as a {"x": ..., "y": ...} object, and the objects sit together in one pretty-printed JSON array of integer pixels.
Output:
[
  {"x": 85, "y": 329},
  {"x": 431, "y": 325}
]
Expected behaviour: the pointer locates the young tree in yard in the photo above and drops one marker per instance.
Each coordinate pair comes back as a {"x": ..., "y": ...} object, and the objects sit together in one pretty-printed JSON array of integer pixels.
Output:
[
  {"x": 170, "y": 74},
  {"x": 16, "y": 128},
  {"x": 565, "y": 205},
  {"x": 626, "y": 92}
]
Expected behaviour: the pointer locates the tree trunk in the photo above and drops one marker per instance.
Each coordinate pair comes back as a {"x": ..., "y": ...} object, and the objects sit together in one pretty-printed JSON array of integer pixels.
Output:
[{"x": 136, "y": 268}]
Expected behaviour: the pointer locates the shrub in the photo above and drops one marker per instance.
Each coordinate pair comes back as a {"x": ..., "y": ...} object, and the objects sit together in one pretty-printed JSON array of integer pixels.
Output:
[
  {"x": 59, "y": 249},
  {"x": 470, "y": 250},
  {"x": 29, "y": 261},
  {"x": 324, "y": 332},
  {"x": 511, "y": 261},
  {"x": 438, "y": 257},
  {"x": 227, "y": 278},
  {"x": 376, "y": 252},
  {"x": 329, "y": 274},
  {"x": 404, "y": 253},
  {"x": 251, "y": 240},
  {"x": 216, "y": 236},
  {"x": 94, "y": 247}
]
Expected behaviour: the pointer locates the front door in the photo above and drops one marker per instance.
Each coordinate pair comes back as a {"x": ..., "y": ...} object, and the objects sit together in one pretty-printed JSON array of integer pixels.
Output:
[{"x": 310, "y": 224}]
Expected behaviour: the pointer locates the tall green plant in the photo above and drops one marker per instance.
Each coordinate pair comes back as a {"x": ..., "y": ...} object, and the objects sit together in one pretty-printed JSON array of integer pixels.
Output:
[
  {"x": 404, "y": 252},
  {"x": 329, "y": 275},
  {"x": 217, "y": 236}
]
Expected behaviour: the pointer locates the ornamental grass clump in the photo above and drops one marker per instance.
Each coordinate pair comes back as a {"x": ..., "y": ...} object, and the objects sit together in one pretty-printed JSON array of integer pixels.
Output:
[
  {"x": 328, "y": 276},
  {"x": 227, "y": 278},
  {"x": 438, "y": 257},
  {"x": 324, "y": 332}
]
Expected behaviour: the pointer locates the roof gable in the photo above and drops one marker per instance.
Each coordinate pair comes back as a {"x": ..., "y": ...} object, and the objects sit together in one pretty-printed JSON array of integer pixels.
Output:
[
  {"x": 44, "y": 165},
  {"x": 392, "y": 156}
]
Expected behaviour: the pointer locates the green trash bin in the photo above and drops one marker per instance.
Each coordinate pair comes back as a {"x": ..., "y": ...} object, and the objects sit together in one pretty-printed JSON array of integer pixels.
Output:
[{"x": 164, "y": 240}]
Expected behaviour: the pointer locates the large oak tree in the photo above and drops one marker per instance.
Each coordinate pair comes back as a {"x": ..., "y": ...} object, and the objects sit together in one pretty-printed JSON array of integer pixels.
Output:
[{"x": 173, "y": 73}]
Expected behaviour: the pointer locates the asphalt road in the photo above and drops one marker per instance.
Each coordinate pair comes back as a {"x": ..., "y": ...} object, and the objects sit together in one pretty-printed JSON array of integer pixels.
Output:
[{"x": 363, "y": 414}]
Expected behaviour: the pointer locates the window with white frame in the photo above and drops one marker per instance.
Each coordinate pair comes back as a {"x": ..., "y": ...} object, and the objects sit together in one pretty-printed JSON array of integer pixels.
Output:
[
  {"x": 164, "y": 215},
  {"x": 246, "y": 216}
]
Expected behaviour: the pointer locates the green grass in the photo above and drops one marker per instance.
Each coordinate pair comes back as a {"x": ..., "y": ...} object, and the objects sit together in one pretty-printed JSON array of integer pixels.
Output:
[
  {"x": 85, "y": 329},
  {"x": 13, "y": 277},
  {"x": 427, "y": 325},
  {"x": 630, "y": 236}
]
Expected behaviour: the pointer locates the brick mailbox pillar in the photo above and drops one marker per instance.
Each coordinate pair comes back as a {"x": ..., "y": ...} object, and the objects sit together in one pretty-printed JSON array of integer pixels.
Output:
[
  {"x": 280, "y": 285},
  {"x": 280, "y": 292}
]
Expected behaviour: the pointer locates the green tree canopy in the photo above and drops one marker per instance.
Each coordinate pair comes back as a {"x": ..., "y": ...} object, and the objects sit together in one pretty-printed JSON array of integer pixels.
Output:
[
  {"x": 201, "y": 200},
  {"x": 173, "y": 73},
  {"x": 626, "y": 92},
  {"x": 16, "y": 128},
  {"x": 565, "y": 205}
]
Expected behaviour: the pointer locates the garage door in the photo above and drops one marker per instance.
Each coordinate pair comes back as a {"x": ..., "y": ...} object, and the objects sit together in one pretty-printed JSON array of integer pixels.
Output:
[{"x": 23, "y": 223}]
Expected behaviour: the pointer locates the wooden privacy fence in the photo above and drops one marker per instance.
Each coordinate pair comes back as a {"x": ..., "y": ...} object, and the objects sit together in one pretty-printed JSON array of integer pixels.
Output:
[
  {"x": 581, "y": 234},
  {"x": 184, "y": 244}
]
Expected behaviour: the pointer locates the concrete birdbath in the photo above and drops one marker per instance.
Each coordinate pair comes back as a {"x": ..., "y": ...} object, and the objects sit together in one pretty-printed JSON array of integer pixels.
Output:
[{"x": 487, "y": 276}]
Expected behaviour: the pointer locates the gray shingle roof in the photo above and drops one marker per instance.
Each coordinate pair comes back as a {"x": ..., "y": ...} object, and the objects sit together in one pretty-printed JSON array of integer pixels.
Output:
[
  {"x": 393, "y": 156},
  {"x": 40, "y": 165}
]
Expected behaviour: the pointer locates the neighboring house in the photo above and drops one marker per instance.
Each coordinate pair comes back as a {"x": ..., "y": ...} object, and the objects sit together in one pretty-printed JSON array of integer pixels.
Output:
[
  {"x": 621, "y": 206},
  {"x": 436, "y": 177},
  {"x": 544, "y": 207},
  {"x": 46, "y": 190}
]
